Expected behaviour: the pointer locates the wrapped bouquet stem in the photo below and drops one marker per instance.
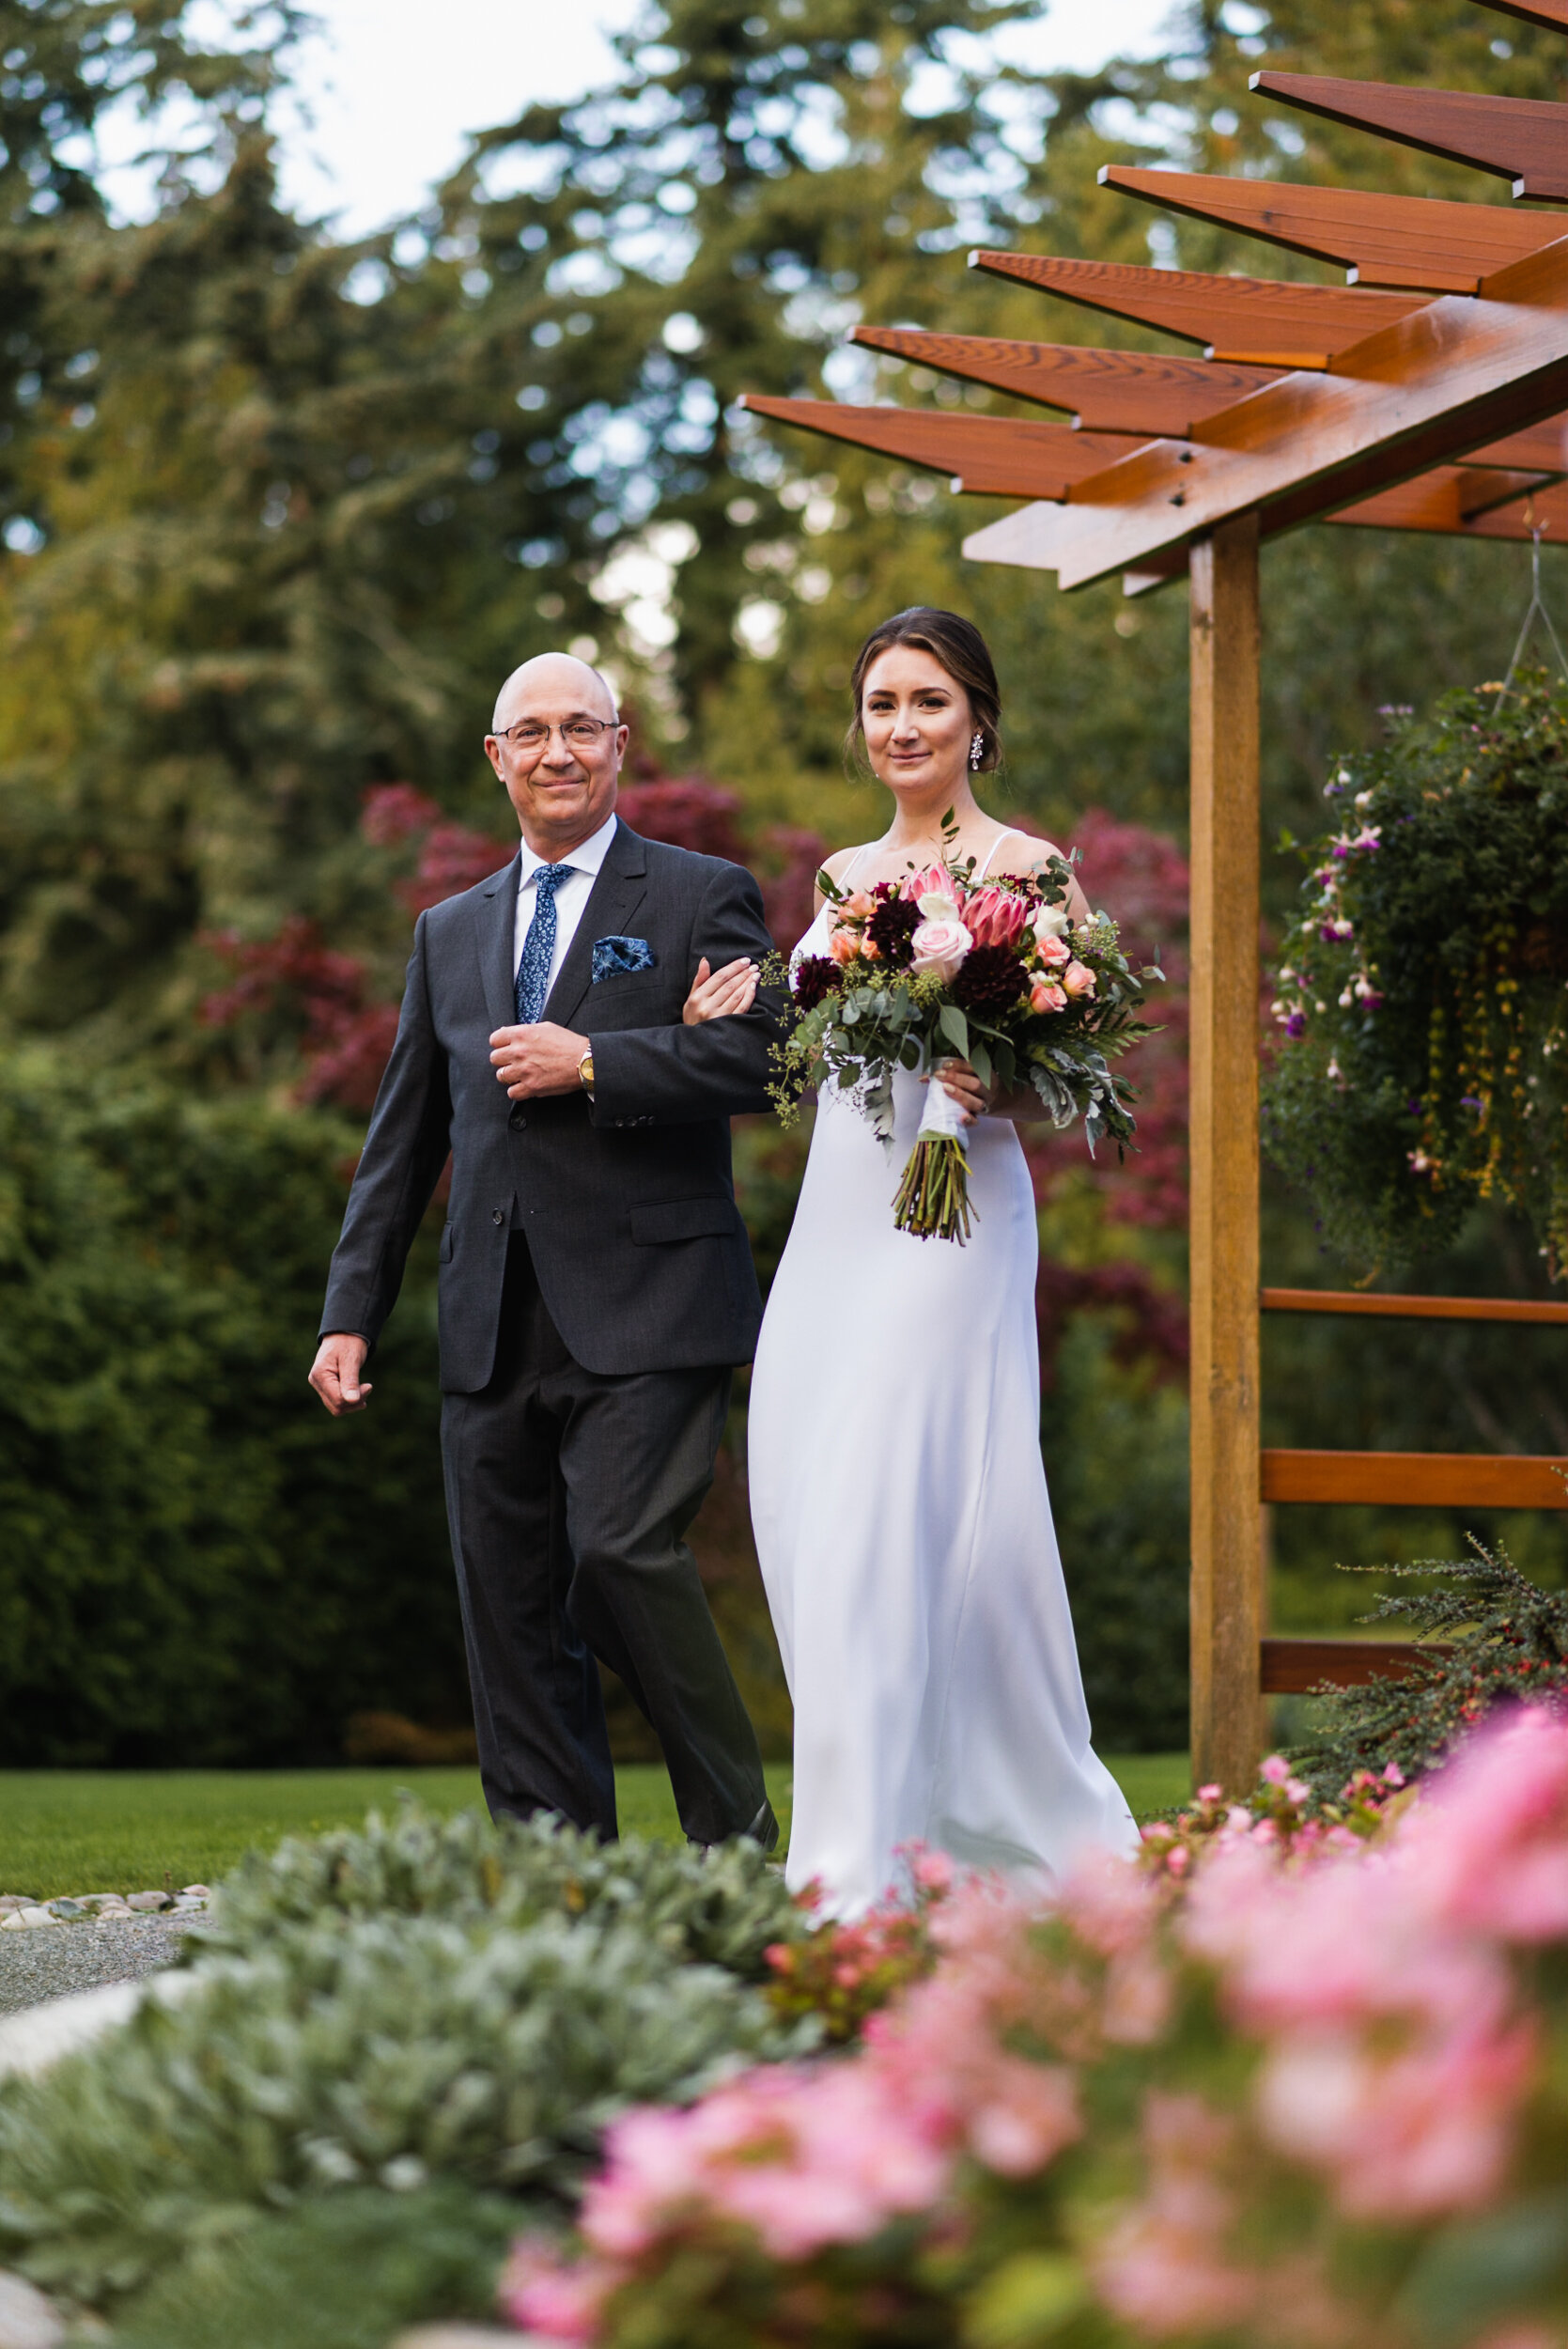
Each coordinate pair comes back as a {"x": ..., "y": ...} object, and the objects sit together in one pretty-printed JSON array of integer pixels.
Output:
[
  {"x": 932, "y": 1197},
  {"x": 935, "y": 967}
]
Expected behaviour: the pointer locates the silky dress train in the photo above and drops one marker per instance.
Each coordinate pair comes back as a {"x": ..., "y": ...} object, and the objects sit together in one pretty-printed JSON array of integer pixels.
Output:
[{"x": 904, "y": 1530}]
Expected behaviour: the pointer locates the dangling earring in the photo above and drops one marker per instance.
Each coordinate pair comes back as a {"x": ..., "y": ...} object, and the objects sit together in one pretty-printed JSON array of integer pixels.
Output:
[{"x": 977, "y": 748}]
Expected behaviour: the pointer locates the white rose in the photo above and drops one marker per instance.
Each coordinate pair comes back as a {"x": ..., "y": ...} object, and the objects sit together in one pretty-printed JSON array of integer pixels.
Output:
[
  {"x": 937, "y": 906},
  {"x": 939, "y": 946},
  {"x": 1051, "y": 922}
]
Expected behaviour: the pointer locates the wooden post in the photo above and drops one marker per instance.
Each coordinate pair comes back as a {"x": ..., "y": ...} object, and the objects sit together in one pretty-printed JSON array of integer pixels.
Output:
[{"x": 1227, "y": 1519}]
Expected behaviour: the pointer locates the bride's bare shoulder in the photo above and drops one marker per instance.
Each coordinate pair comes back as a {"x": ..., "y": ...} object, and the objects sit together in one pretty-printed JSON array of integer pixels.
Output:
[
  {"x": 1025, "y": 853},
  {"x": 836, "y": 866}
]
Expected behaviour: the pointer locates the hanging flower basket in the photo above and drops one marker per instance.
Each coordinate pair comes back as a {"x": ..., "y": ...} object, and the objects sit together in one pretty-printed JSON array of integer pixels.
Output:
[{"x": 1422, "y": 1000}]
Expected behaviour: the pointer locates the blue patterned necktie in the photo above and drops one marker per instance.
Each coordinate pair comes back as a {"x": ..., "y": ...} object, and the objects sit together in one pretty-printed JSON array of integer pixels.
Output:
[{"x": 538, "y": 947}]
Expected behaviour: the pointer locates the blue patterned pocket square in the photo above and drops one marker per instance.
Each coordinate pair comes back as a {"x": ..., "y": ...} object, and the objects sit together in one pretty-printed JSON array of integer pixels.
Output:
[{"x": 614, "y": 956}]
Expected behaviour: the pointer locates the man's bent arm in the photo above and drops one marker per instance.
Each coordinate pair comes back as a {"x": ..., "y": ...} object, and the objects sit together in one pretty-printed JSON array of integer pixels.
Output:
[
  {"x": 722, "y": 1069},
  {"x": 404, "y": 1153}
]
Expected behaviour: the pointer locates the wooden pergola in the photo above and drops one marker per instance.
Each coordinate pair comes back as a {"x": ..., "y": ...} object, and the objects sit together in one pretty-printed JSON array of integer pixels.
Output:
[{"x": 1429, "y": 393}]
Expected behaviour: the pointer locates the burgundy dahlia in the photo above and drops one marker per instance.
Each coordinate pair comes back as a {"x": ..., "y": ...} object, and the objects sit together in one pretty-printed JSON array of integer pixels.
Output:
[
  {"x": 989, "y": 978},
  {"x": 891, "y": 927},
  {"x": 814, "y": 976}
]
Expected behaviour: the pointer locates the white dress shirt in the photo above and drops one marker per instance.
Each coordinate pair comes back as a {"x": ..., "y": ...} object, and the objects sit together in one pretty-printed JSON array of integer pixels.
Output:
[{"x": 570, "y": 898}]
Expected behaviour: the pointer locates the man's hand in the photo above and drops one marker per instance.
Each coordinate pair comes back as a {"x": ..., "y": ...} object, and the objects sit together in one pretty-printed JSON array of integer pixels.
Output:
[
  {"x": 335, "y": 1373},
  {"x": 537, "y": 1059}
]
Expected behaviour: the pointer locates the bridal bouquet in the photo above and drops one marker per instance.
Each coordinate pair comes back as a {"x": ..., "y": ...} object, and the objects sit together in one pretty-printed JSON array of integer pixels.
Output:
[{"x": 933, "y": 967}]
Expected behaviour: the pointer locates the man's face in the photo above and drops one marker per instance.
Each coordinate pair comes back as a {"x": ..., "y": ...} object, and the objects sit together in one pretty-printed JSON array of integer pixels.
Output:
[{"x": 561, "y": 782}]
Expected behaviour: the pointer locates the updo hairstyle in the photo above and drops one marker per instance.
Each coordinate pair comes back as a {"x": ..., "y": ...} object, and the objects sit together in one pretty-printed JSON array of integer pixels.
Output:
[{"x": 962, "y": 651}]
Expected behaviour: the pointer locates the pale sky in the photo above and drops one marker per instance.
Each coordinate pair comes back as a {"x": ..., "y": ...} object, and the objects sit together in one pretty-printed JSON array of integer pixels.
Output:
[{"x": 393, "y": 85}]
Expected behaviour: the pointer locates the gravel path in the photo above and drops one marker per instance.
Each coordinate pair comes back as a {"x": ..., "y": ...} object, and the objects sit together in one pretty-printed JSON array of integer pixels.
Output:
[{"x": 56, "y": 1961}]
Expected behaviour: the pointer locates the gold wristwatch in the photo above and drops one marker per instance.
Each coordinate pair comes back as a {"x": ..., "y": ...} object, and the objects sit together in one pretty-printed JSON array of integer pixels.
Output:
[{"x": 586, "y": 1070}]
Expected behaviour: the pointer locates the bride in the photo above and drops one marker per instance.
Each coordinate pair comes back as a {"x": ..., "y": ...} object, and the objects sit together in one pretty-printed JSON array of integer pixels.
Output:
[{"x": 898, "y": 1495}]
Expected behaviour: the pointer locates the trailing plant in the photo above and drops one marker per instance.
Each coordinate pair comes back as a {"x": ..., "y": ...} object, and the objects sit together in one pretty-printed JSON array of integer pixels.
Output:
[
  {"x": 1423, "y": 994},
  {"x": 1504, "y": 1641},
  {"x": 362, "y": 2051},
  {"x": 725, "y": 1908}
]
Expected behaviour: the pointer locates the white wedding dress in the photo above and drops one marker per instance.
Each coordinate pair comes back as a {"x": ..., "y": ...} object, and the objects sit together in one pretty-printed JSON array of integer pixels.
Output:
[{"x": 905, "y": 1536}]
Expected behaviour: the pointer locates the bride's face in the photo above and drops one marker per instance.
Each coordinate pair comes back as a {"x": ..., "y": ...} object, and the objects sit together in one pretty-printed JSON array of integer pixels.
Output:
[{"x": 917, "y": 722}]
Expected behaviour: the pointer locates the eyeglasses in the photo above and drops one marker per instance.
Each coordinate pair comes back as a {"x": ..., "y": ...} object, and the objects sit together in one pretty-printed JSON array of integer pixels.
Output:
[{"x": 577, "y": 734}]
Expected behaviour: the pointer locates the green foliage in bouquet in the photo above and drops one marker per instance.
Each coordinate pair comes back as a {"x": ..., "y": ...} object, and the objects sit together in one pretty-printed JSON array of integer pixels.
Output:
[
  {"x": 1424, "y": 991},
  {"x": 725, "y": 1908},
  {"x": 1499, "y": 1639}
]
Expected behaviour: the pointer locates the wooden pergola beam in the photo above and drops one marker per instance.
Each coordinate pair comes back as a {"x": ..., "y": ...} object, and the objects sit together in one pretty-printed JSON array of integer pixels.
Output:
[
  {"x": 1455, "y": 374},
  {"x": 1251, "y": 322},
  {"x": 1409, "y": 241},
  {"x": 991, "y": 455},
  {"x": 1520, "y": 139},
  {"x": 1553, "y": 14},
  {"x": 1138, "y": 392}
]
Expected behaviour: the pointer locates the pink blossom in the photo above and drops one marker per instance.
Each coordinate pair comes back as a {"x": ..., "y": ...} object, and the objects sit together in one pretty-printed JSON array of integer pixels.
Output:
[
  {"x": 554, "y": 2300},
  {"x": 1490, "y": 1845},
  {"x": 1276, "y": 1769},
  {"x": 1078, "y": 979},
  {"x": 939, "y": 948},
  {"x": 933, "y": 1871},
  {"x": 858, "y": 907},
  {"x": 1054, "y": 952},
  {"x": 996, "y": 917},
  {"x": 934, "y": 882},
  {"x": 1046, "y": 996}
]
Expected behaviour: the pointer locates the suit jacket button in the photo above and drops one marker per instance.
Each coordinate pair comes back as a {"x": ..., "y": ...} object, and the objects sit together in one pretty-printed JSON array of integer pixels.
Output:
[
  {"x": 517, "y": 1121},
  {"x": 498, "y": 1215}
]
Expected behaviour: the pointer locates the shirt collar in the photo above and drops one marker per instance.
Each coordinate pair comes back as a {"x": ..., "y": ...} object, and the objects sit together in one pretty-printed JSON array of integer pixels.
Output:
[{"x": 586, "y": 857}]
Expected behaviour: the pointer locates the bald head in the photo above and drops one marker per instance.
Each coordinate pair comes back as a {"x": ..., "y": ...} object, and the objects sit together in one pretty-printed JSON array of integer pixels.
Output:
[{"x": 559, "y": 678}]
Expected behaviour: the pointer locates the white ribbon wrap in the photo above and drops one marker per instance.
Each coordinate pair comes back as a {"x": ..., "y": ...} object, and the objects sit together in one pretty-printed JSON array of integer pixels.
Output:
[{"x": 943, "y": 1118}]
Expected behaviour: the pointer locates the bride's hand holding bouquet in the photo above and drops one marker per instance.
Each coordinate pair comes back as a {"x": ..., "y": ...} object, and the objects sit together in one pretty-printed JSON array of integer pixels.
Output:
[{"x": 997, "y": 975}]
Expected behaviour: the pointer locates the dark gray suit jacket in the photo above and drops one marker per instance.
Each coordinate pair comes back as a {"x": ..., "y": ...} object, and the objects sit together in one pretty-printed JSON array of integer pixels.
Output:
[{"x": 628, "y": 1201}]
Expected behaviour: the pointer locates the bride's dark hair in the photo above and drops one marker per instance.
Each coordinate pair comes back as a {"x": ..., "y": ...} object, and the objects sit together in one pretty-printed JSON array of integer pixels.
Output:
[{"x": 963, "y": 652}]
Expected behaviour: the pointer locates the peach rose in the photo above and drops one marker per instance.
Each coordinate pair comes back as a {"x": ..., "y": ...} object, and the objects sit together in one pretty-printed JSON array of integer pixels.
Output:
[
  {"x": 1078, "y": 979},
  {"x": 843, "y": 945},
  {"x": 940, "y": 947},
  {"x": 1045, "y": 995},
  {"x": 1054, "y": 952},
  {"x": 858, "y": 907}
]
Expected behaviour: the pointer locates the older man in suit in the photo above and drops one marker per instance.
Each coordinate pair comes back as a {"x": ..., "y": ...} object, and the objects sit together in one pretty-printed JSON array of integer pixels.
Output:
[{"x": 597, "y": 1288}]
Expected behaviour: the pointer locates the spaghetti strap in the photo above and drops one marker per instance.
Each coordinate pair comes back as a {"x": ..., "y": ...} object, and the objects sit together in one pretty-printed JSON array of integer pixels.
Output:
[{"x": 1011, "y": 834}]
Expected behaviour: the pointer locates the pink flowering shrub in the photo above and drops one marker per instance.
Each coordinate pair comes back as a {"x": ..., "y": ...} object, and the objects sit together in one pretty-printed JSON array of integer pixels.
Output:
[
  {"x": 844, "y": 1972},
  {"x": 1309, "y": 2088}
]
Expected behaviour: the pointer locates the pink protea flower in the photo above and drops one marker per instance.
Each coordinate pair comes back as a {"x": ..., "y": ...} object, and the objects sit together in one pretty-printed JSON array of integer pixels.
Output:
[
  {"x": 934, "y": 882},
  {"x": 996, "y": 917}
]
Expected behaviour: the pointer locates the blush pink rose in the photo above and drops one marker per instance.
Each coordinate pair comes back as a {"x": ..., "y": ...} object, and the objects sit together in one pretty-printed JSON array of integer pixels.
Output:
[
  {"x": 843, "y": 945},
  {"x": 940, "y": 947},
  {"x": 1078, "y": 979},
  {"x": 1054, "y": 952},
  {"x": 1045, "y": 995},
  {"x": 859, "y": 908}
]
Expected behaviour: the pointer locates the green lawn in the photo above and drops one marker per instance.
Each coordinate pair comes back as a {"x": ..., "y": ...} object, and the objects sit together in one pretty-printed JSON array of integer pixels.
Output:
[{"x": 66, "y": 1831}]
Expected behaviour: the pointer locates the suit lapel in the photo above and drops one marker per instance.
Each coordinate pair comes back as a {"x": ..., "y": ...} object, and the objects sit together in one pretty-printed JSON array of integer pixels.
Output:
[
  {"x": 495, "y": 920},
  {"x": 615, "y": 897}
]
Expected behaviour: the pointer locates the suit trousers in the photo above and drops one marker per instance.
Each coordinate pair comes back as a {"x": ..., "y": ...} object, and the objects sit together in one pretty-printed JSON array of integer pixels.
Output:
[{"x": 569, "y": 1495}]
